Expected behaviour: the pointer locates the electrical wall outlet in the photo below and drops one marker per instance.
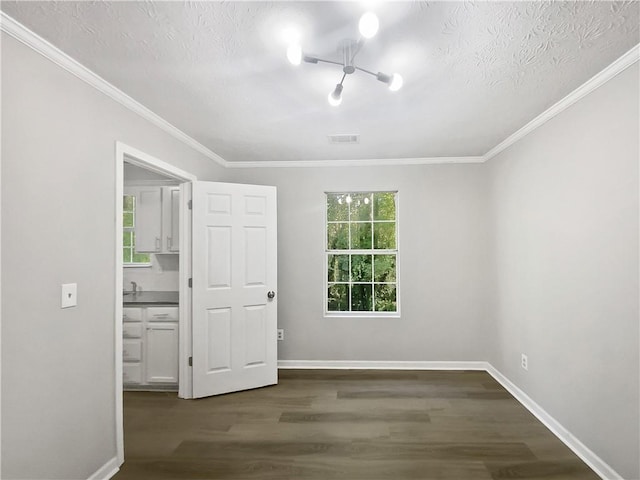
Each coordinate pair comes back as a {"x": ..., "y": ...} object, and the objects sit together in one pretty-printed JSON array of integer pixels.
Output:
[
  {"x": 524, "y": 362},
  {"x": 280, "y": 334}
]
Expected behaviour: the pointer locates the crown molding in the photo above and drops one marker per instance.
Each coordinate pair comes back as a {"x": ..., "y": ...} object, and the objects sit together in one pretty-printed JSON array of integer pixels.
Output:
[
  {"x": 57, "y": 56},
  {"x": 618, "y": 66},
  {"x": 49, "y": 51},
  {"x": 371, "y": 162}
]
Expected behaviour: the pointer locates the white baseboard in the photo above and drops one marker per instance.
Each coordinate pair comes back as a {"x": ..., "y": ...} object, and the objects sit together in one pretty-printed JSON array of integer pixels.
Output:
[
  {"x": 106, "y": 471},
  {"x": 581, "y": 450},
  {"x": 379, "y": 365},
  {"x": 595, "y": 463}
]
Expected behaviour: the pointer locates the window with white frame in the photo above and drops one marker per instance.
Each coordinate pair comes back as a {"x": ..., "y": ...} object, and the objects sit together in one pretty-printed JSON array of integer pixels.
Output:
[
  {"x": 129, "y": 255},
  {"x": 361, "y": 253}
]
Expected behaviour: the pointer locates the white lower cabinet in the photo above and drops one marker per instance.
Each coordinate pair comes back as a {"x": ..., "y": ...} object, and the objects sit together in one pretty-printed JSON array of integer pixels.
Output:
[
  {"x": 150, "y": 347},
  {"x": 161, "y": 358},
  {"x": 131, "y": 373}
]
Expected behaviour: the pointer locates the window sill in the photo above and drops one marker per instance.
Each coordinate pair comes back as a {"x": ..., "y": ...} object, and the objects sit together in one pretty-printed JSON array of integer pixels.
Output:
[
  {"x": 136, "y": 265},
  {"x": 361, "y": 314}
]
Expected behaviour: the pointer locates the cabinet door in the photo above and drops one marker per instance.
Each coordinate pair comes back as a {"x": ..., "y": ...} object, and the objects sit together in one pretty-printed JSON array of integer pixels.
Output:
[
  {"x": 171, "y": 218},
  {"x": 131, "y": 373},
  {"x": 148, "y": 219},
  {"x": 162, "y": 353}
]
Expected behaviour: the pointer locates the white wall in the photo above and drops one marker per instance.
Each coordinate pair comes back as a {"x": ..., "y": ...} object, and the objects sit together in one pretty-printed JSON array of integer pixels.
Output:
[
  {"x": 443, "y": 245},
  {"x": 161, "y": 276},
  {"x": 565, "y": 219},
  {"x": 58, "y": 220}
]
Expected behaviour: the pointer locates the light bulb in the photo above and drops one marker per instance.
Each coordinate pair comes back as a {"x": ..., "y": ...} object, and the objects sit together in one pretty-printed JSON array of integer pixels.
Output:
[
  {"x": 333, "y": 100},
  {"x": 294, "y": 54},
  {"x": 368, "y": 25},
  {"x": 396, "y": 82},
  {"x": 335, "y": 97}
]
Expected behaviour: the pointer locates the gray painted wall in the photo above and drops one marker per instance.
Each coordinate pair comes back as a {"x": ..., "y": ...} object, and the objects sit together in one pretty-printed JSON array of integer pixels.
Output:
[
  {"x": 565, "y": 214},
  {"x": 443, "y": 244},
  {"x": 58, "y": 187}
]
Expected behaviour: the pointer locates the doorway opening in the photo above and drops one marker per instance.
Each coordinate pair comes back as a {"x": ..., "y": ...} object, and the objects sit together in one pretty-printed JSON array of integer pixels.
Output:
[{"x": 148, "y": 337}]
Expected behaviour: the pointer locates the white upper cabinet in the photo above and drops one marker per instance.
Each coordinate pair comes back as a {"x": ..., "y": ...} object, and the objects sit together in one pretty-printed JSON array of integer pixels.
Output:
[
  {"x": 170, "y": 218},
  {"x": 156, "y": 218},
  {"x": 148, "y": 219}
]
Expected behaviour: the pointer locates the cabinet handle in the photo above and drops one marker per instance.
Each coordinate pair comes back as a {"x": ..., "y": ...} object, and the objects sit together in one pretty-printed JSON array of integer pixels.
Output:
[
  {"x": 157, "y": 243},
  {"x": 160, "y": 315}
]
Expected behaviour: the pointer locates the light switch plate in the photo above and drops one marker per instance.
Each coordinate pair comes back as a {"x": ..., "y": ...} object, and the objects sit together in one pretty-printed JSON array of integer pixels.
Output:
[{"x": 69, "y": 295}]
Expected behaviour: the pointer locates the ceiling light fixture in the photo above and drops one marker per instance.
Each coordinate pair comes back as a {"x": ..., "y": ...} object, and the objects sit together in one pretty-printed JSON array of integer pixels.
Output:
[{"x": 368, "y": 27}]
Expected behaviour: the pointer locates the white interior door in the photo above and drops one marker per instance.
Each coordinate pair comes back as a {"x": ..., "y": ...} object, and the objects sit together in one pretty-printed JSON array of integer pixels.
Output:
[{"x": 234, "y": 269}]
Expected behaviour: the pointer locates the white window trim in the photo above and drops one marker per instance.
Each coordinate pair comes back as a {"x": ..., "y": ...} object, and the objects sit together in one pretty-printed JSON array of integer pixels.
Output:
[{"x": 325, "y": 296}]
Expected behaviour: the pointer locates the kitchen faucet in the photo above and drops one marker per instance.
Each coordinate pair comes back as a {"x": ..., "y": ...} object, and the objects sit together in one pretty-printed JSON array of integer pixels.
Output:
[{"x": 134, "y": 288}]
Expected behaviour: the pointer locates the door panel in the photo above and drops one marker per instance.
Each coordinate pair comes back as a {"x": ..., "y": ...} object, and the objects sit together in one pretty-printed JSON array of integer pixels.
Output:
[
  {"x": 255, "y": 336},
  {"x": 234, "y": 267},
  {"x": 219, "y": 340},
  {"x": 219, "y": 263}
]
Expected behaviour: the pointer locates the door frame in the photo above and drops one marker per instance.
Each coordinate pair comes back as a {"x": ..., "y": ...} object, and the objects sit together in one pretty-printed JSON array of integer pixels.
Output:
[{"x": 126, "y": 153}]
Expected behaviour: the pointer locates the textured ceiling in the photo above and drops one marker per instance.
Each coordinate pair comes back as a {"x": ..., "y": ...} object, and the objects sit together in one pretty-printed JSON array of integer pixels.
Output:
[{"x": 475, "y": 72}]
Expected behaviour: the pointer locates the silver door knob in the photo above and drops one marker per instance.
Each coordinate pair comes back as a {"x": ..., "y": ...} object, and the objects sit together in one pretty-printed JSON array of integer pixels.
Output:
[{"x": 271, "y": 294}]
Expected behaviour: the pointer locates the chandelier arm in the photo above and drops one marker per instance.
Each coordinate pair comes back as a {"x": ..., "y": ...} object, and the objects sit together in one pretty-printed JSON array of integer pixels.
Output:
[
  {"x": 366, "y": 71},
  {"x": 327, "y": 61}
]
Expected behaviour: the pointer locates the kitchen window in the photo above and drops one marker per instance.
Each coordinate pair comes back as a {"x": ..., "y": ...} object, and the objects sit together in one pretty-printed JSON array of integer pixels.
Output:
[
  {"x": 361, "y": 254},
  {"x": 129, "y": 255}
]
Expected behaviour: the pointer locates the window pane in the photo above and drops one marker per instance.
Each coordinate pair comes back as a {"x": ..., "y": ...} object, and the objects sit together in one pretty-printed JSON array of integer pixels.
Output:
[
  {"x": 361, "y": 268},
  {"x": 127, "y": 220},
  {"x": 127, "y": 239},
  {"x": 141, "y": 258},
  {"x": 361, "y": 236},
  {"x": 384, "y": 206},
  {"x": 337, "y": 208},
  {"x": 385, "y": 298},
  {"x": 361, "y": 298},
  {"x": 338, "y": 236},
  {"x": 338, "y": 268},
  {"x": 126, "y": 255},
  {"x": 384, "y": 268},
  {"x": 128, "y": 202},
  {"x": 338, "y": 298},
  {"x": 360, "y": 207},
  {"x": 384, "y": 236}
]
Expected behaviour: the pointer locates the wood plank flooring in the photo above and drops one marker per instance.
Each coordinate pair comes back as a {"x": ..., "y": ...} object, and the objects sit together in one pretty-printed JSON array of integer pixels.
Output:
[{"x": 345, "y": 425}]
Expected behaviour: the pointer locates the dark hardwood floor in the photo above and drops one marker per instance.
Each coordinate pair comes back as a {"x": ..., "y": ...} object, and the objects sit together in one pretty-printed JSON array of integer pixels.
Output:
[{"x": 348, "y": 425}]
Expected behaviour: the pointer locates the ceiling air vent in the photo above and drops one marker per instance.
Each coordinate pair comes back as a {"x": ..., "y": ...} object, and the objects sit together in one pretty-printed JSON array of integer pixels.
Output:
[{"x": 344, "y": 139}]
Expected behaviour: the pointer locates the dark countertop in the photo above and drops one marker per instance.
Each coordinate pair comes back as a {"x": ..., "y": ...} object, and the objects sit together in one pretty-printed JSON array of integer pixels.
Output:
[{"x": 150, "y": 298}]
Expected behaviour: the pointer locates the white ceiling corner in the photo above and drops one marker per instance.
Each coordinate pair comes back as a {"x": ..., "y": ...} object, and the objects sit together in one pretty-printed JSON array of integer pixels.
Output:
[{"x": 477, "y": 74}]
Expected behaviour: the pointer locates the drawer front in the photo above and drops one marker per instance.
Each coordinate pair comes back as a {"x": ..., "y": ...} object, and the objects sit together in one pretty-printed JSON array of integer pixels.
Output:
[
  {"x": 131, "y": 373},
  {"x": 132, "y": 330},
  {"x": 132, "y": 350},
  {"x": 131, "y": 314},
  {"x": 162, "y": 314}
]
